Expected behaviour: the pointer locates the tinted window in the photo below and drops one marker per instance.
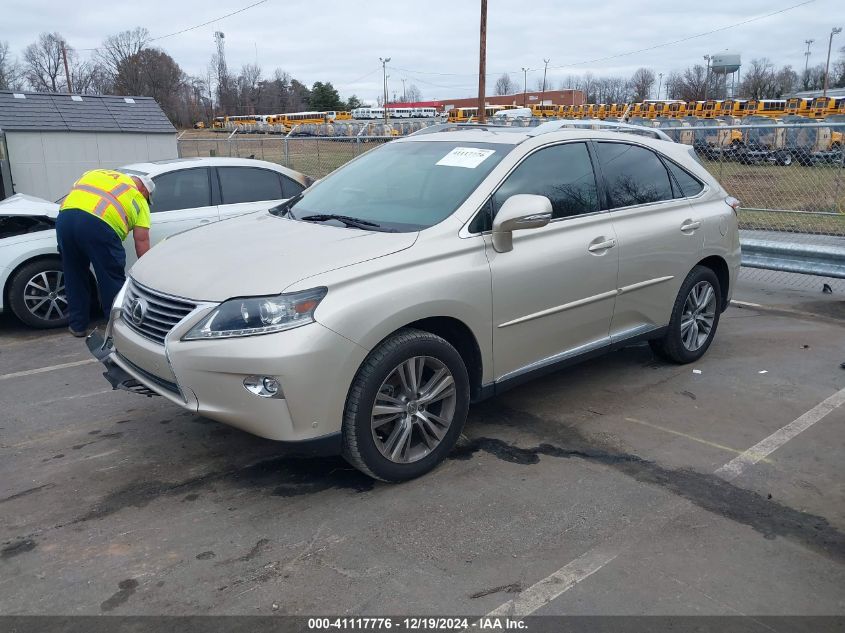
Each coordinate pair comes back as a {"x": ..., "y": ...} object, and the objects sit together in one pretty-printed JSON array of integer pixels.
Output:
[
  {"x": 183, "y": 189},
  {"x": 563, "y": 173},
  {"x": 291, "y": 188},
  {"x": 248, "y": 184},
  {"x": 689, "y": 185},
  {"x": 633, "y": 175}
]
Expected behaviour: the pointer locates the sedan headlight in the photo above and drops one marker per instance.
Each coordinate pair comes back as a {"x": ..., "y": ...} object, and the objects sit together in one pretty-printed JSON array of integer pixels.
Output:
[{"x": 258, "y": 315}]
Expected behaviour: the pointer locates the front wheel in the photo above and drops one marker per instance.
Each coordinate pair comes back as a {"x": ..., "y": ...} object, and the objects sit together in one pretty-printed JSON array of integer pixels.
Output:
[
  {"x": 406, "y": 407},
  {"x": 695, "y": 317},
  {"x": 37, "y": 294}
]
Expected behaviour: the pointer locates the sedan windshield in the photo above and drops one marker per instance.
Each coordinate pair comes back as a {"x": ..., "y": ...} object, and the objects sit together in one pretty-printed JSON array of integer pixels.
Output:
[{"x": 404, "y": 186}]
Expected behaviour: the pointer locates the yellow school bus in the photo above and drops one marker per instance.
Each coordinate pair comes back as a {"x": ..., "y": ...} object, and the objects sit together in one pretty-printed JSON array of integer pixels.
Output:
[
  {"x": 462, "y": 115},
  {"x": 821, "y": 107},
  {"x": 773, "y": 108},
  {"x": 734, "y": 107},
  {"x": 602, "y": 111},
  {"x": 544, "y": 111},
  {"x": 798, "y": 106},
  {"x": 695, "y": 108},
  {"x": 712, "y": 108},
  {"x": 219, "y": 123},
  {"x": 565, "y": 111},
  {"x": 289, "y": 119},
  {"x": 636, "y": 110},
  {"x": 339, "y": 115},
  {"x": 676, "y": 109}
]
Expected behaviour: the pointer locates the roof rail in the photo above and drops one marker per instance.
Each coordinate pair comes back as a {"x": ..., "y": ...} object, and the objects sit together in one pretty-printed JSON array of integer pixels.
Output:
[
  {"x": 451, "y": 127},
  {"x": 598, "y": 124}
]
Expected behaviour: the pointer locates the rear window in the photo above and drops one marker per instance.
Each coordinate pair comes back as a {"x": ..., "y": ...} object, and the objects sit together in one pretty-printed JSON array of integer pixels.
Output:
[
  {"x": 633, "y": 175},
  {"x": 687, "y": 184}
]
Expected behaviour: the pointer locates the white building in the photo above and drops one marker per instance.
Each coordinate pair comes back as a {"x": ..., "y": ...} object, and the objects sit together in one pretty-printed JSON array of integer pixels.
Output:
[{"x": 48, "y": 140}]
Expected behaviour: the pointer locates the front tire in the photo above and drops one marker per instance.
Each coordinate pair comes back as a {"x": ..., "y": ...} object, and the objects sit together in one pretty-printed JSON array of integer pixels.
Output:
[
  {"x": 406, "y": 407},
  {"x": 695, "y": 317},
  {"x": 37, "y": 294}
]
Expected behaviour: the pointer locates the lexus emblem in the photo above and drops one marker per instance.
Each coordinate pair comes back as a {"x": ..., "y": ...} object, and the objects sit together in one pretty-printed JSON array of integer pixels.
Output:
[{"x": 137, "y": 310}]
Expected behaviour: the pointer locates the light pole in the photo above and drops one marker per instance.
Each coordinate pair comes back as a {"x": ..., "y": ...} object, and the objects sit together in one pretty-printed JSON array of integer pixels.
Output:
[
  {"x": 707, "y": 77},
  {"x": 659, "y": 84},
  {"x": 482, "y": 64},
  {"x": 545, "y": 70},
  {"x": 525, "y": 87},
  {"x": 834, "y": 31},
  {"x": 384, "y": 61},
  {"x": 807, "y": 57}
]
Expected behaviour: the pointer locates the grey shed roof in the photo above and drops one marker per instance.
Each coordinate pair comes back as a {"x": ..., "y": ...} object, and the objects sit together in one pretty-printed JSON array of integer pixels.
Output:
[{"x": 53, "y": 112}]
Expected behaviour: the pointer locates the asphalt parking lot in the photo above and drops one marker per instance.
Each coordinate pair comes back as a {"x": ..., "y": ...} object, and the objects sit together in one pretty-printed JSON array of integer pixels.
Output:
[{"x": 602, "y": 489}]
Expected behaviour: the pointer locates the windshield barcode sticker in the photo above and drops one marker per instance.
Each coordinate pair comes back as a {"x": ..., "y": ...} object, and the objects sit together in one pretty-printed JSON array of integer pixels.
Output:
[{"x": 469, "y": 157}]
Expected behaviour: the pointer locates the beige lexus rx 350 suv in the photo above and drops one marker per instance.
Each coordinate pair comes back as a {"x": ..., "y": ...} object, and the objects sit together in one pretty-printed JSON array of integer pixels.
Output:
[{"x": 366, "y": 314}]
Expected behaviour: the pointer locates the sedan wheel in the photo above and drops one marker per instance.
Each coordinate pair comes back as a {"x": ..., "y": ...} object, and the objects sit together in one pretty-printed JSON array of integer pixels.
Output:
[
  {"x": 413, "y": 409},
  {"x": 45, "y": 297}
]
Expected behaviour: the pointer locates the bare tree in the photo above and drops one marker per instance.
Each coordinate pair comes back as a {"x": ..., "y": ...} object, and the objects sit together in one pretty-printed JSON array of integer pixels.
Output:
[
  {"x": 504, "y": 85},
  {"x": 413, "y": 93},
  {"x": 11, "y": 76},
  {"x": 758, "y": 80},
  {"x": 642, "y": 82},
  {"x": 43, "y": 66},
  {"x": 249, "y": 88}
]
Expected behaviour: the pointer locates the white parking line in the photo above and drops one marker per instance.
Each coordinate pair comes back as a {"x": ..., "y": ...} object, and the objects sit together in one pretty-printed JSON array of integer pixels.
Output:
[
  {"x": 554, "y": 585},
  {"x": 41, "y": 370}
]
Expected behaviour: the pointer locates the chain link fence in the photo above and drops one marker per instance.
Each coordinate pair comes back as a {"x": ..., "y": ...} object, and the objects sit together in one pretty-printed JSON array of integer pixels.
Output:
[{"x": 789, "y": 177}]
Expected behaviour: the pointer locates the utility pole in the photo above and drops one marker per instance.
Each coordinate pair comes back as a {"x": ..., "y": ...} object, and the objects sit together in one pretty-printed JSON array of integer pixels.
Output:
[
  {"x": 384, "y": 61},
  {"x": 404, "y": 94},
  {"x": 659, "y": 84},
  {"x": 545, "y": 70},
  {"x": 67, "y": 72},
  {"x": 707, "y": 77},
  {"x": 834, "y": 31},
  {"x": 482, "y": 64},
  {"x": 524, "y": 86},
  {"x": 807, "y": 56}
]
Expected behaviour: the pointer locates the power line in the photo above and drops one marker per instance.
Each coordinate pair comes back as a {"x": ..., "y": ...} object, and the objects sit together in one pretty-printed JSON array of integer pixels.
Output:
[
  {"x": 618, "y": 55},
  {"x": 222, "y": 17}
]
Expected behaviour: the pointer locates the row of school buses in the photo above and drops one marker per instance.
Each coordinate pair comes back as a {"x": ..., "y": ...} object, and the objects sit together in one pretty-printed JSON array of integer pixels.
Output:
[{"x": 817, "y": 108}]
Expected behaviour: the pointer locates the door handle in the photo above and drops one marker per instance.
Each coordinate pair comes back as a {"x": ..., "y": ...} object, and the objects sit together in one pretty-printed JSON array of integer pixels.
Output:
[
  {"x": 690, "y": 225},
  {"x": 602, "y": 246}
]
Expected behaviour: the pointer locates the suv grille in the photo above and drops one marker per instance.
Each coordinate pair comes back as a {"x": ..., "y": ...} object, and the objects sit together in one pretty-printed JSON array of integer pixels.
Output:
[{"x": 152, "y": 314}]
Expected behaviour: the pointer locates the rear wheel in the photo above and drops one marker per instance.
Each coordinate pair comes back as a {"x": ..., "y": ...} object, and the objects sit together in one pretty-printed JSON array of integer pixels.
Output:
[
  {"x": 406, "y": 407},
  {"x": 695, "y": 317},
  {"x": 37, "y": 294}
]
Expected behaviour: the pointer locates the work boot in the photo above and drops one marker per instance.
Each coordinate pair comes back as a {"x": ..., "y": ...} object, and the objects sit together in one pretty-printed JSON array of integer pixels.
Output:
[{"x": 81, "y": 334}]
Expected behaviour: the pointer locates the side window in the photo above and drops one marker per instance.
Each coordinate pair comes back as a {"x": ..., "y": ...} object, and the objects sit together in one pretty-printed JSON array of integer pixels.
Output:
[
  {"x": 633, "y": 175},
  {"x": 291, "y": 188},
  {"x": 183, "y": 189},
  {"x": 689, "y": 184},
  {"x": 248, "y": 184},
  {"x": 562, "y": 173}
]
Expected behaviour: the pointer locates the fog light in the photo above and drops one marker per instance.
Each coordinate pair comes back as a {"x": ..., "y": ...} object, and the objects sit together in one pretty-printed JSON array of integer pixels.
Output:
[{"x": 263, "y": 386}]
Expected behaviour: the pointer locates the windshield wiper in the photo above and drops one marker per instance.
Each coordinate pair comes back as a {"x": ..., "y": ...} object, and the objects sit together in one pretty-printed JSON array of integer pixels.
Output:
[
  {"x": 284, "y": 208},
  {"x": 346, "y": 219}
]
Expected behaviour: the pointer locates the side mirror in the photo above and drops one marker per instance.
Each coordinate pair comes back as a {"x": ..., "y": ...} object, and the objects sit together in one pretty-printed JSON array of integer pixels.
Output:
[{"x": 520, "y": 211}]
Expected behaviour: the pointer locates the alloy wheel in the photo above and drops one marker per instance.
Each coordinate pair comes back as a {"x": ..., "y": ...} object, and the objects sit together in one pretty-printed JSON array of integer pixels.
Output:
[
  {"x": 45, "y": 296},
  {"x": 413, "y": 409},
  {"x": 698, "y": 316}
]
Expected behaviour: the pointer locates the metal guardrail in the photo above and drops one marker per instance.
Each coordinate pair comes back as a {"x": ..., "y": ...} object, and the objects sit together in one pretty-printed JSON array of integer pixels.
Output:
[{"x": 808, "y": 259}]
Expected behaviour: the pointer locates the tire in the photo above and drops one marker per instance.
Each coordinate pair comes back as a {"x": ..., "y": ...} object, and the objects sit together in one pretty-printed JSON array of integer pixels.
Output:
[
  {"x": 677, "y": 346},
  {"x": 785, "y": 160},
  {"x": 36, "y": 294},
  {"x": 382, "y": 374}
]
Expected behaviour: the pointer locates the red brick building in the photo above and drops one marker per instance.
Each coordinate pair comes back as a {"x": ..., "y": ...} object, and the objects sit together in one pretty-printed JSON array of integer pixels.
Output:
[{"x": 557, "y": 97}]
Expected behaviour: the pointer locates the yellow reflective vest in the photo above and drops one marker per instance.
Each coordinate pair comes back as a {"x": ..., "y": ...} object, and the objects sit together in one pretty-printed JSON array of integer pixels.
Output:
[{"x": 112, "y": 197}]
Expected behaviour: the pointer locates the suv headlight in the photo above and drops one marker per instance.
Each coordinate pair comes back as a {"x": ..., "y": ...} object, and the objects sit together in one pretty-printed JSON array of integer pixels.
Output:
[{"x": 258, "y": 315}]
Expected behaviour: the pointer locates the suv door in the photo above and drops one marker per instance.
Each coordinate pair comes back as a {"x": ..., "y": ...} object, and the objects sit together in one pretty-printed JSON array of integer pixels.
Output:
[
  {"x": 182, "y": 200},
  {"x": 553, "y": 293},
  {"x": 248, "y": 189},
  {"x": 659, "y": 235}
]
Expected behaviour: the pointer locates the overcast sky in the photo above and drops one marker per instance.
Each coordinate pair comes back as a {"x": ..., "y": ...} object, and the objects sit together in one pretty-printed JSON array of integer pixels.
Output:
[{"x": 436, "y": 48}]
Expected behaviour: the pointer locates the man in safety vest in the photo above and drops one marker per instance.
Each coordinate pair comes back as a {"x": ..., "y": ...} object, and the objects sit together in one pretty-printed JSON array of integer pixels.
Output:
[{"x": 95, "y": 217}]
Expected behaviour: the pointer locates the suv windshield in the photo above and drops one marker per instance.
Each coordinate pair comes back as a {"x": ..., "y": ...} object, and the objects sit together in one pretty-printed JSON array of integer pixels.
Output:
[{"x": 404, "y": 186}]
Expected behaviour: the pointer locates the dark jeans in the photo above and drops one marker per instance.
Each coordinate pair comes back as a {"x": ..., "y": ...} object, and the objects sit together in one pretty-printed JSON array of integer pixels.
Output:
[{"x": 84, "y": 241}]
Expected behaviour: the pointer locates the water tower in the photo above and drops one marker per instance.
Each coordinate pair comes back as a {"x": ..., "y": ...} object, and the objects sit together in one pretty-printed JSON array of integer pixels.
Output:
[{"x": 724, "y": 64}]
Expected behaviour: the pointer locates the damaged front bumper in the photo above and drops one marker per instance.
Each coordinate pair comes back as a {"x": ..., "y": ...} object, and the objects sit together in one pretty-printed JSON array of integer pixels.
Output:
[{"x": 118, "y": 377}]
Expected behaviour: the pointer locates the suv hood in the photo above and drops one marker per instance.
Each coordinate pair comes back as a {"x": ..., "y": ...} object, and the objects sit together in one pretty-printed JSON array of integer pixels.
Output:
[
  {"x": 22, "y": 204},
  {"x": 257, "y": 254}
]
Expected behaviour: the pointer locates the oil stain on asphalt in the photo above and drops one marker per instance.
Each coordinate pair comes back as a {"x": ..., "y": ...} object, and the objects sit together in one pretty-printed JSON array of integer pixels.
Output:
[
  {"x": 707, "y": 491},
  {"x": 125, "y": 590}
]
